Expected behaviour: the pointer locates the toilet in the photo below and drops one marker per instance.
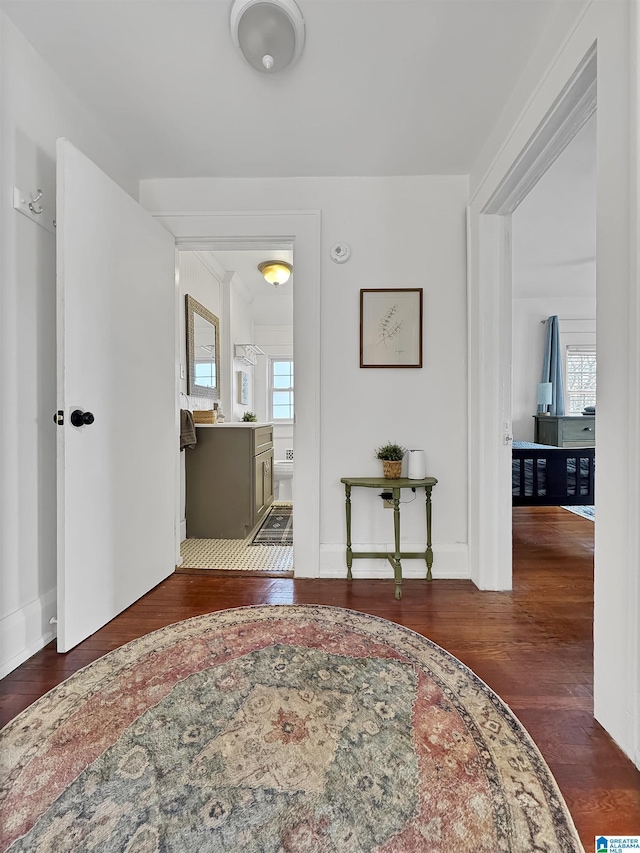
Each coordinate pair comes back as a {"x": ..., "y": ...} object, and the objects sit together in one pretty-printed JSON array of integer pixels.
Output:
[{"x": 283, "y": 480}]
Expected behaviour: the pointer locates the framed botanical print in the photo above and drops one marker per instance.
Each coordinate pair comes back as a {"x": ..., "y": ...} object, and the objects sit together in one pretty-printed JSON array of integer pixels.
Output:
[{"x": 391, "y": 327}]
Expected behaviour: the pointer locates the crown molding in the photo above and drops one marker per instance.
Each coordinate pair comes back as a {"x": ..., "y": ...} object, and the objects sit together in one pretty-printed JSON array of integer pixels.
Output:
[
  {"x": 212, "y": 264},
  {"x": 241, "y": 289}
]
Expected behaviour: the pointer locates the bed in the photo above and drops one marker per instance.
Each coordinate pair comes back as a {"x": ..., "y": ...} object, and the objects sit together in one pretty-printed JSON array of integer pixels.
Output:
[{"x": 552, "y": 476}]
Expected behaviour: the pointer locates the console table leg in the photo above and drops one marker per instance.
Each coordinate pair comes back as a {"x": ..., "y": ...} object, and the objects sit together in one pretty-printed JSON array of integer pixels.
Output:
[
  {"x": 347, "y": 490},
  {"x": 397, "y": 565},
  {"x": 429, "y": 551}
]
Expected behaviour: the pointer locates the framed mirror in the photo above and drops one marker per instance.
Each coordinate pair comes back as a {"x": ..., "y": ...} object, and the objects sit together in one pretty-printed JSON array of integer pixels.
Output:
[{"x": 203, "y": 351}]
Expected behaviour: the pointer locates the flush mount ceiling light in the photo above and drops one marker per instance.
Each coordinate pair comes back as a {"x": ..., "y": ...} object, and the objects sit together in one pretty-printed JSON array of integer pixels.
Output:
[
  {"x": 268, "y": 33},
  {"x": 275, "y": 272}
]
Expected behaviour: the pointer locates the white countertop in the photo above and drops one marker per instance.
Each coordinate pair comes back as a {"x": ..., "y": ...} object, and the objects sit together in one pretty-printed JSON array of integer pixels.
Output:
[{"x": 245, "y": 424}]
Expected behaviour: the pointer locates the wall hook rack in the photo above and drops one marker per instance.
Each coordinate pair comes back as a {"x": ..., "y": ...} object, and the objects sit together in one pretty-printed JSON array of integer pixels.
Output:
[
  {"x": 247, "y": 353},
  {"x": 33, "y": 206}
]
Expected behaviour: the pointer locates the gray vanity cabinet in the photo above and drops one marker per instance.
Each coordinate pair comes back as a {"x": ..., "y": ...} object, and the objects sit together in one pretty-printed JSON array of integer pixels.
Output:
[{"x": 229, "y": 480}]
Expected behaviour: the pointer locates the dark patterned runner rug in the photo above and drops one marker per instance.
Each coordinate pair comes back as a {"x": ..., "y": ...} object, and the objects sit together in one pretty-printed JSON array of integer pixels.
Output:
[
  {"x": 277, "y": 528},
  {"x": 277, "y": 729}
]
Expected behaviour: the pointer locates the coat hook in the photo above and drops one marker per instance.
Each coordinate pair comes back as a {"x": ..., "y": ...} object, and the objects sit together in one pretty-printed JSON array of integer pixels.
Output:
[{"x": 32, "y": 204}]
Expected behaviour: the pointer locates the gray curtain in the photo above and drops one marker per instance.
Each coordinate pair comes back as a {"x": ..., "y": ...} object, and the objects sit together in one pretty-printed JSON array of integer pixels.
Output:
[{"x": 552, "y": 367}]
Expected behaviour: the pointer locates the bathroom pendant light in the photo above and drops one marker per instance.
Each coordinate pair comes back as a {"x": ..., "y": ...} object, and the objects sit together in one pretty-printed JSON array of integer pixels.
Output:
[
  {"x": 275, "y": 272},
  {"x": 268, "y": 33}
]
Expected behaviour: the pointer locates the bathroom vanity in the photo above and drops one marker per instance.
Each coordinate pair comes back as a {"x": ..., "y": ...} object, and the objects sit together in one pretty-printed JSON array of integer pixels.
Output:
[{"x": 229, "y": 480}]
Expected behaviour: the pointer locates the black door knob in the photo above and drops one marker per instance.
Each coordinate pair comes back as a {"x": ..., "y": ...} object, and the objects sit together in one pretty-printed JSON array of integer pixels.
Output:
[{"x": 80, "y": 418}]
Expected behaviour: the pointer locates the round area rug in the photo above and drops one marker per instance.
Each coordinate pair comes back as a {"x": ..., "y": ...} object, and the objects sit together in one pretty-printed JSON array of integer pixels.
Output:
[{"x": 280, "y": 729}]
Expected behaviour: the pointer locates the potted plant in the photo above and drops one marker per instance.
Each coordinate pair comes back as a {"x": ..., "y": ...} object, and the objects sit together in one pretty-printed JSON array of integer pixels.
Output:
[
  {"x": 250, "y": 417},
  {"x": 391, "y": 456}
]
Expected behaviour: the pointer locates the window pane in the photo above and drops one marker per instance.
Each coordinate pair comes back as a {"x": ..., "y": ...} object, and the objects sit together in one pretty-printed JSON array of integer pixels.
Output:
[
  {"x": 281, "y": 389},
  {"x": 205, "y": 374},
  {"x": 581, "y": 378},
  {"x": 282, "y": 413},
  {"x": 282, "y": 398}
]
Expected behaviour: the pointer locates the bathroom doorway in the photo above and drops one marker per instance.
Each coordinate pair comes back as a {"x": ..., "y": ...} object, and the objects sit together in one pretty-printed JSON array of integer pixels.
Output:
[{"x": 256, "y": 381}]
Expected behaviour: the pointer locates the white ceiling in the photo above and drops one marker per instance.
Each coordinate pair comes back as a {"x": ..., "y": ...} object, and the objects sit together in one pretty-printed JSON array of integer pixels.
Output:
[
  {"x": 554, "y": 229},
  {"x": 245, "y": 262},
  {"x": 266, "y": 305},
  {"x": 383, "y": 87}
]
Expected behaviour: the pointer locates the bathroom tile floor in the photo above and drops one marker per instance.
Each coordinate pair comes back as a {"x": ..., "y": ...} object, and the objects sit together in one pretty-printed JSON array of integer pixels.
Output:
[{"x": 236, "y": 555}]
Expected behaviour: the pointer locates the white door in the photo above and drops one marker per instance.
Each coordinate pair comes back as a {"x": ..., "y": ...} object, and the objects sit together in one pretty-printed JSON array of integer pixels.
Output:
[{"x": 116, "y": 361}]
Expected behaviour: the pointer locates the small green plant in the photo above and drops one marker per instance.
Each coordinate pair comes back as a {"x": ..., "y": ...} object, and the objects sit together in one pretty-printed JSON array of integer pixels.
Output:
[
  {"x": 390, "y": 452},
  {"x": 250, "y": 417}
]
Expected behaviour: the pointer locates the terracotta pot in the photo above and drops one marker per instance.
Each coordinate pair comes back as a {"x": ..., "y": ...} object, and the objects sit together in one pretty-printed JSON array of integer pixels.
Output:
[{"x": 392, "y": 469}]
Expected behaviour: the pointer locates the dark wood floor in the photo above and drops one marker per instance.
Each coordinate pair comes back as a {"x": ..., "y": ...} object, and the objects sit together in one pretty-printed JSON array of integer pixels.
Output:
[{"x": 533, "y": 646}]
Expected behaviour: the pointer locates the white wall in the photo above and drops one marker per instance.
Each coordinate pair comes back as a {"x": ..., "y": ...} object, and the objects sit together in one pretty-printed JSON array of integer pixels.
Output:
[
  {"x": 241, "y": 333},
  {"x": 275, "y": 341},
  {"x": 36, "y": 109},
  {"x": 403, "y": 232},
  {"x": 529, "y": 335},
  {"x": 614, "y": 28}
]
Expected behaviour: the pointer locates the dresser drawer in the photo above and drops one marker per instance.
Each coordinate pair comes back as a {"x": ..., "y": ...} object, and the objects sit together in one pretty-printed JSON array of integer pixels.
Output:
[
  {"x": 262, "y": 439},
  {"x": 578, "y": 429}
]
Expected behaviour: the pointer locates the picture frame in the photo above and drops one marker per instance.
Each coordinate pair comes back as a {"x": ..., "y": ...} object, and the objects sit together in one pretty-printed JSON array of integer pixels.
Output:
[
  {"x": 391, "y": 327},
  {"x": 203, "y": 350},
  {"x": 243, "y": 388}
]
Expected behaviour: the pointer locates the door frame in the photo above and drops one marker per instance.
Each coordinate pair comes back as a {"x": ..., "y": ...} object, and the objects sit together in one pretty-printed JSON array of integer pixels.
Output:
[
  {"x": 301, "y": 229},
  {"x": 616, "y": 34},
  {"x": 490, "y": 503}
]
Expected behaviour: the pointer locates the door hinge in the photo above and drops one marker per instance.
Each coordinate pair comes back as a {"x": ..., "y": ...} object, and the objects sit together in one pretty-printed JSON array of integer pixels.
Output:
[{"x": 58, "y": 418}]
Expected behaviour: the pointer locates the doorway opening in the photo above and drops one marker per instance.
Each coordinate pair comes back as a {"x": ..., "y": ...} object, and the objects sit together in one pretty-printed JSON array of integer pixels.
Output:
[
  {"x": 250, "y": 533},
  {"x": 490, "y": 241},
  {"x": 553, "y": 241}
]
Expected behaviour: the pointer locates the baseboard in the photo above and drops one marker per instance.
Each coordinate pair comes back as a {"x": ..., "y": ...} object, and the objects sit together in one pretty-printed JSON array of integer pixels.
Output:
[
  {"x": 25, "y": 631},
  {"x": 183, "y": 529},
  {"x": 449, "y": 562}
]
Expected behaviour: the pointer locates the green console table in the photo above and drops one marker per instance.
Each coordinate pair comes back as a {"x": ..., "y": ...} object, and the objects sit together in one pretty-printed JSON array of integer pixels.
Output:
[{"x": 395, "y": 487}]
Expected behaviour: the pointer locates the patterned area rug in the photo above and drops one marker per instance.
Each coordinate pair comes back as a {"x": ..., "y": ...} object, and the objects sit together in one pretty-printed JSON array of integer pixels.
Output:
[
  {"x": 585, "y": 511},
  {"x": 277, "y": 528},
  {"x": 278, "y": 729}
]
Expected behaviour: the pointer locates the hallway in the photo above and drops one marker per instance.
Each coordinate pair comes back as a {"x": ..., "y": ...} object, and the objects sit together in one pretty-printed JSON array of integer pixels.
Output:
[{"x": 533, "y": 646}]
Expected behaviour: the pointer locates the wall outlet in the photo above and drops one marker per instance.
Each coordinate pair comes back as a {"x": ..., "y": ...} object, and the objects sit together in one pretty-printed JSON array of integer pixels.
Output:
[{"x": 387, "y": 499}]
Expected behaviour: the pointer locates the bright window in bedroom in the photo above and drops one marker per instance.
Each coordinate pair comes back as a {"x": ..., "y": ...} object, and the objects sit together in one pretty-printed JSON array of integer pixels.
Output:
[{"x": 581, "y": 378}]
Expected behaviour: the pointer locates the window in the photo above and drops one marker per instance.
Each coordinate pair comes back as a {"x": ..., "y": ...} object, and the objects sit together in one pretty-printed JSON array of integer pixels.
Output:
[
  {"x": 281, "y": 388},
  {"x": 581, "y": 378},
  {"x": 205, "y": 373}
]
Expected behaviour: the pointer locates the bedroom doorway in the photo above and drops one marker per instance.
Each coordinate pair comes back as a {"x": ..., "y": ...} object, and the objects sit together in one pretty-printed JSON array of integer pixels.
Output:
[
  {"x": 553, "y": 234},
  {"x": 554, "y": 273},
  {"x": 559, "y": 106},
  {"x": 536, "y": 146}
]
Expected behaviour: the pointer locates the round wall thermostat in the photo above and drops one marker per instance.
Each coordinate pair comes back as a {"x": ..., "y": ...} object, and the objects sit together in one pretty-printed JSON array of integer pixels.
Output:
[{"x": 340, "y": 253}]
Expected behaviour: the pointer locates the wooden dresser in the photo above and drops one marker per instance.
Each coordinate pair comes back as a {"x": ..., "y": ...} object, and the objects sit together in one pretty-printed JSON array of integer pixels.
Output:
[
  {"x": 566, "y": 431},
  {"x": 229, "y": 480}
]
